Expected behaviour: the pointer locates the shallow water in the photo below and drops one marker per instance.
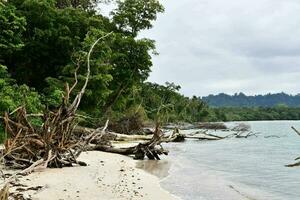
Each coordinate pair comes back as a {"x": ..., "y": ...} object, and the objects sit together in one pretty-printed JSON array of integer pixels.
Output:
[{"x": 208, "y": 170}]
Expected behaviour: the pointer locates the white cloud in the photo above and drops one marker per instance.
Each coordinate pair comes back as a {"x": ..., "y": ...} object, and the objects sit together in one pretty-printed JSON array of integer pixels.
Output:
[{"x": 212, "y": 46}]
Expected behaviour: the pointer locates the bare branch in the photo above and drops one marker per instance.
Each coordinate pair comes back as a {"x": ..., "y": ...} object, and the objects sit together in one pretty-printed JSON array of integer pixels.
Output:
[
  {"x": 298, "y": 132},
  {"x": 77, "y": 99}
]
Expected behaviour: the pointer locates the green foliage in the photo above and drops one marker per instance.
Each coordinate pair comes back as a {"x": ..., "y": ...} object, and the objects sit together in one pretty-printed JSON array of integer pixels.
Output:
[
  {"x": 44, "y": 42},
  {"x": 166, "y": 104},
  {"x": 3, "y": 135},
  {"x": 13, "y": 96},
  {"x": 256, "y": 113},
  {"x": 56, "y": 42},
  {"x": 131, "y": 65},
  {"x": 97, "y": 90},
  {"x": 12, "y": 28},
  {"x": 50, "y": 40},
  {"x": 83, "y": 4},
  {"x": 242, "y": 100},
  {"x": 53, "y": 94},
  {"x": 132, "y": 16}
]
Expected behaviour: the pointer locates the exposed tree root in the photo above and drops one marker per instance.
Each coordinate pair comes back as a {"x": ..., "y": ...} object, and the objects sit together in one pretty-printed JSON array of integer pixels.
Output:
[{"x": 51, "y": 145}]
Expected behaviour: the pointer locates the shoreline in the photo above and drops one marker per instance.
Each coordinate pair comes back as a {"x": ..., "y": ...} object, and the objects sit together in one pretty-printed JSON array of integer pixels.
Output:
[
  {"x": 213, "y": 185},
  {"x": 107, "y": 177}
]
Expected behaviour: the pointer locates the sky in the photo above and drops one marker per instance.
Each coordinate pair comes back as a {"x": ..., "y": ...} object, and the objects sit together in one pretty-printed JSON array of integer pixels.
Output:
[{"x": 214, "y": 46}]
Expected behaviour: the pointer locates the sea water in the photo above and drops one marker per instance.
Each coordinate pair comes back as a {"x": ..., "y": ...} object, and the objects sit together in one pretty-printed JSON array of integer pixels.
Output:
[{"x": 254, "y": 167}]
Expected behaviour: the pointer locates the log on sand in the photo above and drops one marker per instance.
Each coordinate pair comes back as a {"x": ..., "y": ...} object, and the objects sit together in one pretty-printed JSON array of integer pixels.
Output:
[{"x": 151, "y": 149}]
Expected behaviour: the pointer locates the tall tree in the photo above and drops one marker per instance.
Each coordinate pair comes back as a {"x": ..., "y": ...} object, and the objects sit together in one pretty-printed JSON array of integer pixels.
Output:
[
  {"x": 131, "y": 64},
  {"x": 131, "y": 60},
  {"x": 52, "y": 36},
  {"x": 132, "y": 16},
  {"x": 12, "y": 27},
  {"x": 83, "y": 4}
]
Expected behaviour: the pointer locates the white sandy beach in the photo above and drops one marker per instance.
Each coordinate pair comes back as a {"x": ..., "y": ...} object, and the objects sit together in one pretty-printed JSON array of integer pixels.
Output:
[
  {"x": 107, "y": 177},
  {"x": 116, "y": 177}
]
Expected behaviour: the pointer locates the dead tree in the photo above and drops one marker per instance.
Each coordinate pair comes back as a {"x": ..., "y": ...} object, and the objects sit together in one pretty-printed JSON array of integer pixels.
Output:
[
  {"x": 55, "y": 143},
  {"x": 52, "y": 144},
  {"x": 151, "y": 149},
  {"x": 204, "y": 135}
]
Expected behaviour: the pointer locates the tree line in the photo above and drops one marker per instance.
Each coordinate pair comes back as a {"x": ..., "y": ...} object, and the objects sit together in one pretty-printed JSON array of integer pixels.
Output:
[
  {"x": 242, "y": 100},
  {"x": 280, "y": 112},
  {"x": 43, "y": 43}
]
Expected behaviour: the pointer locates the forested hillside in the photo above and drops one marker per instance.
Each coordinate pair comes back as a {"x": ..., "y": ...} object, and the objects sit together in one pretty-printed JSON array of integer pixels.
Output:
[{"x": 242, "y": 100}]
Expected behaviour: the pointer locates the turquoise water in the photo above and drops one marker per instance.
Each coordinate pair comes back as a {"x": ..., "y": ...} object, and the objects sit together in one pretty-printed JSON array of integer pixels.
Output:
[{"x": 256, "y": 165}]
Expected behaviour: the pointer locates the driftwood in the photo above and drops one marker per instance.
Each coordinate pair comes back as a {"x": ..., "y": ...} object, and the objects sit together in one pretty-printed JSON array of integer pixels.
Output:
[
  {"x": 4, "y": 192},
  {"x": 56, "y": 144},
  {"x": 293, "y": 165},
  {"x": 176, "y": 136},
  {"x": 203, "y": 135},
  {"x": 298, "y": 132},
  {"x": 113, "y": 136},
  {"x": 242, "y": 134},
  {"x": 51, "y": 145},
  {"x": 297, "y": 159},
  {"x": 109, "y": 135},
  {"x": 139, "y": 151}
]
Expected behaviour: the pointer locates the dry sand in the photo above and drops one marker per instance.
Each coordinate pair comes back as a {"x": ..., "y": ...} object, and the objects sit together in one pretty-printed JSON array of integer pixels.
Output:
[{"x": 107, "y": 177}]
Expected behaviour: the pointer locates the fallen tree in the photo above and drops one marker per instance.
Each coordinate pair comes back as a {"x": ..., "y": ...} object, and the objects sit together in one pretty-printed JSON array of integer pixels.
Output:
[
  {"x": 174, "y": 136},
  {"x": 80, "y": 131},
  {"x": 204, "y": 135},
  {"x": 151, "y": 149}
]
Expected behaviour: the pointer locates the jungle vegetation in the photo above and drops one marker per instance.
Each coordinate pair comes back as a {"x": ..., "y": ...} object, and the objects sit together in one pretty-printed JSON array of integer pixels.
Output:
[{"x": 43, "y": 43}]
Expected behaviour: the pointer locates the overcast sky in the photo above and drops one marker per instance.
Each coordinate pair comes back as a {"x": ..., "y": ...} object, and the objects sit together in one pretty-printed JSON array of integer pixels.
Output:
[{"x": 214, "y": 46}]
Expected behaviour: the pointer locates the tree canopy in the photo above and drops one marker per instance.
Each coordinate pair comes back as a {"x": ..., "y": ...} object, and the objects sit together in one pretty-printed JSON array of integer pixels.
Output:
[{"x": 44, "y": 42}]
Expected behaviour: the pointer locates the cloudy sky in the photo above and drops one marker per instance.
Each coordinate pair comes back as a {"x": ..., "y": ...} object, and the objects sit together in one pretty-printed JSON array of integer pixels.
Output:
[{"x": 213, "y": 46}]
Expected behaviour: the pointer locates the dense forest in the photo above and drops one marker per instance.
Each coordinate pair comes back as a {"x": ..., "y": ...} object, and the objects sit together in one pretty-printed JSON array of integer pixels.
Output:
[
  {"x": 242, "y": 100},
  {"x": 43, "y": 43},
  {"x": 280, "y": 112}
]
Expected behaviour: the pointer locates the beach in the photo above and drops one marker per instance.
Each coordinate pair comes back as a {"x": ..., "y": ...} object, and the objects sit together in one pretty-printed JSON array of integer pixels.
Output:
[
  {"x": 231, "y": 169},
  {"x": 107, "y": 177}
]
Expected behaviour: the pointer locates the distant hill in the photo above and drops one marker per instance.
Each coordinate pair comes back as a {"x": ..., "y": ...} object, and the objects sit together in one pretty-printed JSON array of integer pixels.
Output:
[{"x": 242, "y": 100}]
